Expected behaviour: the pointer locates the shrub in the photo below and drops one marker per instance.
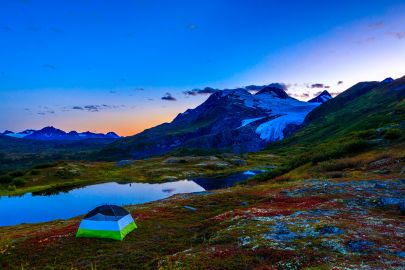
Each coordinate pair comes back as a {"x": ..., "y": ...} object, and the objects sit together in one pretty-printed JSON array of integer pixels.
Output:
[
  {"x": 334, "y": 174},
  {"x": 5, "y": 179},
  {"x": 18, "y": 182},
  {"x": 393, "y": 134},
  {"x": 65, "y": 173},
  {"x": 45, "y": 165},
  {"x": 340, "y": 150},
  {"x": 339, "y": 164},
  {"x": 17, "y": 173},
  {"x": 35, "y": 172}
]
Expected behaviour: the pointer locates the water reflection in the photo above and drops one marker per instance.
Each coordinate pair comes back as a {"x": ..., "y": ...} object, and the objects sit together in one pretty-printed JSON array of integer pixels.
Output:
[{"x": 67, "y": 202}]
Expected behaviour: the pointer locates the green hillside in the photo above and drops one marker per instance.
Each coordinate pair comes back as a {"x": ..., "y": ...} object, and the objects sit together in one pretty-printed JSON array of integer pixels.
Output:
[{"x": 365, "y": 117}]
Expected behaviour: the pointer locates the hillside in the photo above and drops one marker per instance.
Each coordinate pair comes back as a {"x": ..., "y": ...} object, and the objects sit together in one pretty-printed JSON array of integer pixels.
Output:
[{"x": 365, "y": 117}]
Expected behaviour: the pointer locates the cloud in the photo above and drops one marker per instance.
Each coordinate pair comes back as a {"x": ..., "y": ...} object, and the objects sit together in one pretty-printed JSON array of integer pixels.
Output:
[
  {"x": 96, "y": 108},
  {"x": 398, "y": 35},
  {"x": 45, "y": 112},
  {"x": 33, "y": 29},
  {"x": 376, "y": 24},
  {"x": 6, "y": 28},
  {"x": 301, "y": 95},
  {"x": 283, "y": 86},
  {"x": 319, "y": 85},
  {"x": 139, "y": 89},
  {"x": 192, "y": 26},
  {"x": 168, "y": 97},
  {"x": 92, "y": 108},
  {"x": 334, "y": 94},
  {"x": 56, "y": 30},
  {"x": 49, "y": 66},
  {"x": 197, "y": 91},
  {"x": 339, "y": 82},
  {"x": 367, "y": 40}
]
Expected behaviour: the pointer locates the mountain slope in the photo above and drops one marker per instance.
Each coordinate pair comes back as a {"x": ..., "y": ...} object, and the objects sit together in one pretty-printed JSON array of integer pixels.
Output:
[{"x": 234, "y": 119}]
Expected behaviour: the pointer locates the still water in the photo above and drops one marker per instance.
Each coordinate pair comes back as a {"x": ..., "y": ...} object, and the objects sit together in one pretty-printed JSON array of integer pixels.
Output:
[{"x": 32, "y": 208}]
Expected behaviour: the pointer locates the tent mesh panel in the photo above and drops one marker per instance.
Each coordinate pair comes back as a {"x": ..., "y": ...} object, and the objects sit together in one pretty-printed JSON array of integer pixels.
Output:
[{"x": 108, "y": 210}]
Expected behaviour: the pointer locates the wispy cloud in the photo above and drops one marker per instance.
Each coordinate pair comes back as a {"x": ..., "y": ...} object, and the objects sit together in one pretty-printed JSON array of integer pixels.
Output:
[
  {"x": 33, "y": 28},
  {"x": 197, "y": 91},
  {"x": 192, "y": 26},
  {"x": 378, "y": 24},
  {"x": 319, "y": 85},
  {"x": 56, "y": 30},
  {"x": 303, "y": 95},
  {"x": 398, "y": 35},
  {"x": 6, "y": 28},
  {"x": 46, "y": 111},
  {"x": 49, "y": 66},
  {"x": 97, "y": 108},
  {"x": 168, "y": 97},
  {"x": 366, "y": 40}
]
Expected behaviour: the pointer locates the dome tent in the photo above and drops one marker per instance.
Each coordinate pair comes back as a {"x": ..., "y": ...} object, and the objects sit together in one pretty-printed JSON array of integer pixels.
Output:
[{"x": 107, "y": 221}]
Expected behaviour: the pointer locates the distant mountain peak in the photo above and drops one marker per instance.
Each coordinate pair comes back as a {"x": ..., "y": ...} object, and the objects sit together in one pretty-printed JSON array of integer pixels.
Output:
[
  {"x": 52, "y": 133},
  {"x": 274, "y": 91},
  {"x": 387, "y": 80},
  {"x": 322, "y": 97}
]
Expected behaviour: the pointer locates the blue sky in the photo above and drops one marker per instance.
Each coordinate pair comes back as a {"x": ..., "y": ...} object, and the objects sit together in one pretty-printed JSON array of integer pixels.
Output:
[{"x": 116, "y": 59}]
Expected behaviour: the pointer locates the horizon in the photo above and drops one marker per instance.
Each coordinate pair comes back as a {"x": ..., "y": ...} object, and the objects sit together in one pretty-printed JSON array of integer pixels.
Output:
[
  {"x": 99, "y": 67},
  {"x": 207, "y": 96}
]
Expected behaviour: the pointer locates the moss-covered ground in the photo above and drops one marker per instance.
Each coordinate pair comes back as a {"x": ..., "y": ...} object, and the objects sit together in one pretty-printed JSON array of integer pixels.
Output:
[{"x": 304, "y": 219}]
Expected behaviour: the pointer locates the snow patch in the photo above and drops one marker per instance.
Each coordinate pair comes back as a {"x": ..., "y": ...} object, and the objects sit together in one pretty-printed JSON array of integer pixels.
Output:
[
  {"x": 272, "y": 130},
  {"x": 248, "y": 121}
]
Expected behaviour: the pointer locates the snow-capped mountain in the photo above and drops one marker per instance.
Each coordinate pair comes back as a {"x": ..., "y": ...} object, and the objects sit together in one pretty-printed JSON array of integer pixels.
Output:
[
  {"x": 233, "y": 119},
  {"x": 322, "y": 97},
  {"x": 51, "y": 133}
]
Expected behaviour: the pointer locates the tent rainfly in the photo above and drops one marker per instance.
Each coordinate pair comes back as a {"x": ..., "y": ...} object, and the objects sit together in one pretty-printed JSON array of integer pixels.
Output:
[{"x": 107, "y": 221}]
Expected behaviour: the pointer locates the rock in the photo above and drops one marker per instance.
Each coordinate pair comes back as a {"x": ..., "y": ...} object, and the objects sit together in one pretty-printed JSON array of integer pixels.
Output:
[
  {"x": 400, "y": 254},
  {"x": 245, "y": 240},
  {"x": 335, "y": 246},
  {"x": 124, "y": 162},
  {"x": 213, "y": 164},
  {"x": 328, "y": 230},
  {"x": 170, "y": 178},
  {"x": 402, "y": 207},
  {"x": 280, "y": 232},
  {"x": 390, "y": 201},
  {"x": 244, "y": 203},
  {"x": 202, "y": 193},
  {"x": 359, "y": 245},
  {"x": 189, "y": 173},
  {"x": 190, "y": 208},
  {"x": 174, "y": 160},
  {"x": 239, "y": 162},
  {"x": 380, "y": 185},
  {"x": 382, "y": 171}
]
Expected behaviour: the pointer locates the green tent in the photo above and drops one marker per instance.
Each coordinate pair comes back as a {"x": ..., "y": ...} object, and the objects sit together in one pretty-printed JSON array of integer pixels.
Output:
[{"x": 107, "y": 221}]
